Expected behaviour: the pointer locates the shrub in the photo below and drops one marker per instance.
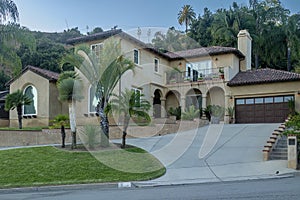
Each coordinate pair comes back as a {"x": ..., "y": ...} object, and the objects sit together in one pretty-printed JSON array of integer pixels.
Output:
[
  {"x": 175, "y": 112},
  {"x": 191, "y": 113},
  {"x": 217, "y": 111},
  {"x": 60, "y": 120},
  {"x": 90, "y": 133}
]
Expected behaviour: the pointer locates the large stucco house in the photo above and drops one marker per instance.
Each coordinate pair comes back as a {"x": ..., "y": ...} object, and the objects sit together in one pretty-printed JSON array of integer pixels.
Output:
[{"x": 208, "y": 76}]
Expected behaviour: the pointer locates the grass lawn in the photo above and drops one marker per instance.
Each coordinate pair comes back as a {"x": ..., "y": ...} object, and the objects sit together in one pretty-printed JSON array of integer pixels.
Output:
[
  {"x": 23, "y": 129},
  {"x": 51, "y": 166}
]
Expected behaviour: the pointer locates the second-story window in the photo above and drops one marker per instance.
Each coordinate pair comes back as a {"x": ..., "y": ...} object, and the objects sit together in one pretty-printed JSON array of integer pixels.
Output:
[
  {"x": 156, "y": 65},
  {"x": 137, "y": 95},
  {"x": 136, "y": 56},
  {"x": 96, "y": 48}
]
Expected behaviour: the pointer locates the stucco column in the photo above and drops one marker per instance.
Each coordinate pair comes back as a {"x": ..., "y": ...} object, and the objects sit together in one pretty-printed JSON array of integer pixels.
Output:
[
  {"x": 182, "y": 104},
  {"x": 204, "y": 98},
  {"x": 297, "y": 101},
  {"x": 151, "y": 111},
  {"x": 227, "y": 105},
  {"x": 163, "y": 108}
]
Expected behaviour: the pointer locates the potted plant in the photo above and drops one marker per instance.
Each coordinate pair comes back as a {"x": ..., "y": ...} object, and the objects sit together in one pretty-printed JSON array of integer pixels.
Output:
[
  {"x": 230, "y": 111},
  {"x": 221, "y": 73},
  {"x": 200, "y": 78},
  {"x": 187, "y": 79},
  {"x": 217, "y": 112}
]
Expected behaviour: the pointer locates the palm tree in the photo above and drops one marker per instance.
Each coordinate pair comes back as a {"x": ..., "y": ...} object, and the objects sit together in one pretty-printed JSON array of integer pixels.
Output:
[
  {"x": 130, "y": 104},
  {"x": 8, "y": 10},
  {"x": 17, "y": 100},
  {"x": 69, "y": 88},
  {"x": 186, "y": 15},
  {"x": 103, "y": 74}
]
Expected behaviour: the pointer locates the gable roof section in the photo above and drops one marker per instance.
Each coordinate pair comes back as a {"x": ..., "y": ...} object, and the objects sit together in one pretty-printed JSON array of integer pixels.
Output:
[
  {"x": 3, "y": 95},
  {"x": 51, "y": 76},
  {"x": 261, "y": 76},
  {"x": 97, "y": 36},
  {"x": 204, "y": 51},
  {"x": 191, "y": 53}
]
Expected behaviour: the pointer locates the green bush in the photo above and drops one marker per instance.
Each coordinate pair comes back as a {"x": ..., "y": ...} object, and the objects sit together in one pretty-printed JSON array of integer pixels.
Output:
[
  {"x": 191, "y": 113},
  {"x": 60, "y": 120},
  {"x": 294, "y": 123},
  {"x": 90, "y": 133},
  {"x": 207, "y": 112},
  {"x": 175, "y": 112},
  {"x": 217, "y": 111}
]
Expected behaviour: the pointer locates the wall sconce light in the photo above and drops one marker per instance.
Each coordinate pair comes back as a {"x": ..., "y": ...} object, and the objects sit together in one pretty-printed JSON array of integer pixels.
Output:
[{"x": 216, "y": 59}]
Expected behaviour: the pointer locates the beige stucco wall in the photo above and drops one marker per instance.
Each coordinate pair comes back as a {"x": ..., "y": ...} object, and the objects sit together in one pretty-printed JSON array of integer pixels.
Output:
[
  {"x": 47, "y": 103},
  {"x": 144, "y": 77}
]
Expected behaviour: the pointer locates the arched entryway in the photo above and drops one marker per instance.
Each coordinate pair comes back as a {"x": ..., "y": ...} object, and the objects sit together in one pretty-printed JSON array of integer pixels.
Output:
[
  {"x": 216, "y": 96},
  {"x": 216, "y": 99},
  {"x": 193, "y": 98},
  {"x": 172, "y": 100},
  {"x": 157, "y": 104}
]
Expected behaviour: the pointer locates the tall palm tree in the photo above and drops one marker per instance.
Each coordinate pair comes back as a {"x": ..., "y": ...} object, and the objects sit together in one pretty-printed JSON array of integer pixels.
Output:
[
  {"x": 103, "y": 73},
  {"x": 17, "y": 100},
  {"x": 130, "y": 104},
  {"x": 69, "y": 88},
  {"x": 8, "y": 10},
  {"x": 186, "y": 15}
]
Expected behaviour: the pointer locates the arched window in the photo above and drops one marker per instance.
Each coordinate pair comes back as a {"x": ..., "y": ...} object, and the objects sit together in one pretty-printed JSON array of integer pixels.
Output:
[
  {"x": 93, "y": 100},
  {"x": 31, "y": 109}
]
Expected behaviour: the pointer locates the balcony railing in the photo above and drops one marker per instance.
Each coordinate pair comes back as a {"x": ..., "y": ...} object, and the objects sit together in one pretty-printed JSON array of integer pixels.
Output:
[{"x": 195, "y": 76}]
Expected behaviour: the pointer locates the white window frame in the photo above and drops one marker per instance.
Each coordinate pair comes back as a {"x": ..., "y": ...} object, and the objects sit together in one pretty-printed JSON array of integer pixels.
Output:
[
  {"x": 89, "y": 101},
  {"x": 138, "y": 56},
  {"x": 204, "y": 67},
  {"x": 156, "y": 65},
  {"x": 35, "y": 100},
  {"x": 96, "y": 48},
  {"x": 134, "y": 89}
]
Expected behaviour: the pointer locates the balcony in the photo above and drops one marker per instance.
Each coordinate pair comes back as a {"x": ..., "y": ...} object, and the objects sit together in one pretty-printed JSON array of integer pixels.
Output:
[{"x": 212, "y": 74}]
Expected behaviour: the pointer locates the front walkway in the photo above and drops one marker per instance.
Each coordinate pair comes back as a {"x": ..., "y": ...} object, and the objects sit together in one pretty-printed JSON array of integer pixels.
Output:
[{"x": 230, "y": 152}]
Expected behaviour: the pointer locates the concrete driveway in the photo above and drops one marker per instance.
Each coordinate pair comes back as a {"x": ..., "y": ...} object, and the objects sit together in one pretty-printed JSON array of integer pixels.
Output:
[{"x": 213, "y": 153}]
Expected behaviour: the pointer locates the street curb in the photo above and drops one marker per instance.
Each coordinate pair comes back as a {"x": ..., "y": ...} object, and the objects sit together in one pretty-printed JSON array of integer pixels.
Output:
[
  {"x": 102, "y": 186},
  {"x": 195, "y": 182},
  {"x": 60, "y": 188}
]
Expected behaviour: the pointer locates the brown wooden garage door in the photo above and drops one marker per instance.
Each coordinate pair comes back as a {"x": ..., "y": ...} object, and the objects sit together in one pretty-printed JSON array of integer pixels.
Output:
[{"x": 262, "y": 109}]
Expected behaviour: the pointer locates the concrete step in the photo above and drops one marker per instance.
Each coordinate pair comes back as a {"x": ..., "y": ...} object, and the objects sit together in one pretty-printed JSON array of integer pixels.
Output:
[
  {"x": 279, "y": 154},
  {"x": 277, "y": 158},
  {"x": 283, "y": 150}
]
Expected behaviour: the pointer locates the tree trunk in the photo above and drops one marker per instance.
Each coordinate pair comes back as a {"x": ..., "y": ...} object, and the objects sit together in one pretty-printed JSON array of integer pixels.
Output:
[
  {"x": 63, "y": 136},
  {"x": 73, "y": 124},
  {"x": 126, "y": 124},
  {"x": 104, "y": 124},
  {"x": 256, "y": 61},
  {"x": 186, "y": 26},
  {"x": 19, "y": 111}
]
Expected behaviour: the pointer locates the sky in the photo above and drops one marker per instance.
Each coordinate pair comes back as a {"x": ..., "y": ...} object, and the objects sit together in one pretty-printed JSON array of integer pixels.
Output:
[{"x": 59, "y": 15}]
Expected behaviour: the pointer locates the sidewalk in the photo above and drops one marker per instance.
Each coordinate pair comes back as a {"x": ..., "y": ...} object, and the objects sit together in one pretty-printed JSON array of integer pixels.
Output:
[{"x": 236, "y": 155}]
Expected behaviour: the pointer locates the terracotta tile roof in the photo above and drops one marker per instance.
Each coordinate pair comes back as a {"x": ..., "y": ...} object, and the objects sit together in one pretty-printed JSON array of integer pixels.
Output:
[
  {"x": 204, "y": 51},
  {"x": 51, "y": 76},
  {"x": 96, "y": 36},
  {"x": 3, "y": 94},
  {"x": 260, "y": 76}
]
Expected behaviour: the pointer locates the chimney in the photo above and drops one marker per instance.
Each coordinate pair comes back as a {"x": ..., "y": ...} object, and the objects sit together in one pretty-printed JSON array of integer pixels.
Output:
[{"x": 245, "y": 46}]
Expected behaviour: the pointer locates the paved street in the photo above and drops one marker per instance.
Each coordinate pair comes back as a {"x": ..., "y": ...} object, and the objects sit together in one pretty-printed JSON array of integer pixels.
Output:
[
  {"x": 213, "y": 153},
  {"x": 271, "y": 189}
]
